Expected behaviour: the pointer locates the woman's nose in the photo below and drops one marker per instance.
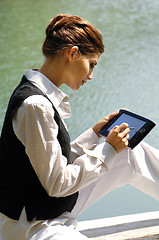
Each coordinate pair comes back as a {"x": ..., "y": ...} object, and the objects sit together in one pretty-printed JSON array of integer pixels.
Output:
[{"x": 90, "y": 76}]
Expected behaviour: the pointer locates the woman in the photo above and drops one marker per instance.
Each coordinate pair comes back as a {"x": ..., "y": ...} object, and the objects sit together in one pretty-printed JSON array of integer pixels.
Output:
[{"x": 46, "y": 182}]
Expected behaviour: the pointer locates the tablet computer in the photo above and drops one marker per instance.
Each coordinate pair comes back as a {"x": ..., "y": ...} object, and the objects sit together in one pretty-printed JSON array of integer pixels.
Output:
[{"x": 139, "y": 126}]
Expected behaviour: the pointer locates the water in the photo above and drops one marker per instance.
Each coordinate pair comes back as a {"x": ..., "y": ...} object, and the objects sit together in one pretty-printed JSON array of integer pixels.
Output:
[{"x": 127, "y": 74}]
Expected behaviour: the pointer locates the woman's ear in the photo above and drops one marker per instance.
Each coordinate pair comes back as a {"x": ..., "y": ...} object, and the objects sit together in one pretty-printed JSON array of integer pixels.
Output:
[{"x": 73, "y": 53}]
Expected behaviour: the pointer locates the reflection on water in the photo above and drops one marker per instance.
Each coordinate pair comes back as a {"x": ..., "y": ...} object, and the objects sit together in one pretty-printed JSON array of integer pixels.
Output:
[{"x": 127, "y": 75}]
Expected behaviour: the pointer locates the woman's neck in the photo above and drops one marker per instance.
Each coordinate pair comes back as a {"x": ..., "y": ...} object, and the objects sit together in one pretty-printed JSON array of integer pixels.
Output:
[{"x": 53, "y": 69}]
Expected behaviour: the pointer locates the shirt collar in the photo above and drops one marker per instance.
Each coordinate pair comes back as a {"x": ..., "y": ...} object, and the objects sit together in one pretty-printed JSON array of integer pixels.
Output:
[{"x": 56, "y": 96}]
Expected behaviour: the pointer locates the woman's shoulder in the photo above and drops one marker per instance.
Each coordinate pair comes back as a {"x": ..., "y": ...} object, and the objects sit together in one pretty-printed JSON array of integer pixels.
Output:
[{"x": 37, "y": 100}]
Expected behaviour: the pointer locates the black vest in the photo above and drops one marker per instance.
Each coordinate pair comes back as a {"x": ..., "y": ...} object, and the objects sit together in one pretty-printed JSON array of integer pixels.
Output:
[{"x": 19, "y": 184}]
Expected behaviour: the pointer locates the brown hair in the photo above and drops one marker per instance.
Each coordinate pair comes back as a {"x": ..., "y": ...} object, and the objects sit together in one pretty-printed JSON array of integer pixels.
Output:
[{"x": 66, "y": 31}]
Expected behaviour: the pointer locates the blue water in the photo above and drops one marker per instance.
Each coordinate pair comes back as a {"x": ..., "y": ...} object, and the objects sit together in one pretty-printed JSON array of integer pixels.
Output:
[{"x": 127, "y": 74}]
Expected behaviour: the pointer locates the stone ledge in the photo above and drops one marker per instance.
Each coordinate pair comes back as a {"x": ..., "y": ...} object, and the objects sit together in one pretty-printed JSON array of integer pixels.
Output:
[
  {"x": 135, "y": 226},
  {"x": 144, "y": 233}
]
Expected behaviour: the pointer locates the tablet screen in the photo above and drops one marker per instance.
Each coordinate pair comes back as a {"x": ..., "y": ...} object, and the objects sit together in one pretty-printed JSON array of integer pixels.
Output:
[
  {"x": 139, "y": 126},
  {"x": 132, "y": 121}
]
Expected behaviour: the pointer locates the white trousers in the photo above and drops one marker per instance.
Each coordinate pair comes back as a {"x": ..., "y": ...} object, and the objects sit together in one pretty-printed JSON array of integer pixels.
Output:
[{"x": 139, "y": 167}]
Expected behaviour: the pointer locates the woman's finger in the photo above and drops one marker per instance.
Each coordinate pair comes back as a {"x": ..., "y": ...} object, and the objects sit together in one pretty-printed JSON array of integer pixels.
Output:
[{"x": 122, "y": 127}]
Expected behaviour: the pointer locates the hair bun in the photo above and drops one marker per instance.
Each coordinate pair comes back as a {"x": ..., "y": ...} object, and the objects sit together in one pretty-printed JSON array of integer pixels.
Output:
[
  {"x": 66, "y": 30},
  {"x": 55, "y": 24},
  {"x": 49, "y": 31}
]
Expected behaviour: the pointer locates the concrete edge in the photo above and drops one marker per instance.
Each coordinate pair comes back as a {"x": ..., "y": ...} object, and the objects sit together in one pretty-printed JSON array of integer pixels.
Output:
[{"x": 120, "y": 227}]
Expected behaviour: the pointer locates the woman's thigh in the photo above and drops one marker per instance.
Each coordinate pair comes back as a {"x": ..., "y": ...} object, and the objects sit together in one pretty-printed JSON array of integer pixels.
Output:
[
  {"x": 120, "y": 174},
  {"x": 138, "y": 167}
]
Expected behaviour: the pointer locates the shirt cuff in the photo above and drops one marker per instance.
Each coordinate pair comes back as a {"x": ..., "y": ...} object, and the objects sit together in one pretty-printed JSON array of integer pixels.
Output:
[
  {"x": 88, "y": 139},
  {"x": 105, "y": 153}
]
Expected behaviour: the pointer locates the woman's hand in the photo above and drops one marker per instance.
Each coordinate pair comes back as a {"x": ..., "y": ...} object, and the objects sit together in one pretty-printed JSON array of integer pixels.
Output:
[
  {"x": 118, "y": 137},
  {"x": 98, "y": 126}
]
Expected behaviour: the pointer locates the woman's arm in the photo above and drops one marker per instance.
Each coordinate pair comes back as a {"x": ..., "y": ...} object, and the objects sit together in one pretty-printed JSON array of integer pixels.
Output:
[{"x": 36, "y": 128}]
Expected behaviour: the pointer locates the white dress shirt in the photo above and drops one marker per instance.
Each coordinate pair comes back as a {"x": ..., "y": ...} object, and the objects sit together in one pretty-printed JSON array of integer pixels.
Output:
[{"x": 35, "y": 127}]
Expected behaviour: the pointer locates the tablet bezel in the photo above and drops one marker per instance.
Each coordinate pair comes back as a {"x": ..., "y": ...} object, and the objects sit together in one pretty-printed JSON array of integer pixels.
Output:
[{"x": 141, "y": 133}]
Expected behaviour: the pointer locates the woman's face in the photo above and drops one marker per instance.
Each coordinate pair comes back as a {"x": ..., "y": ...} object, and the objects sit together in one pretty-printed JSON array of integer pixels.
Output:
[{"x": 80, "y": 69}]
